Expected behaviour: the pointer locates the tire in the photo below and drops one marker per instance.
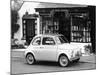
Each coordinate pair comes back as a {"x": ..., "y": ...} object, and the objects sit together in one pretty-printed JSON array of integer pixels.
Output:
[
  {"x": 63, "y": 61},
  {"x": 30, "y": 59}
]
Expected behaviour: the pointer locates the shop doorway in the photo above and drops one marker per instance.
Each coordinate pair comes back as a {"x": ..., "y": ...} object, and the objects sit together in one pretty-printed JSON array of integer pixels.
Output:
[
  {"x": 28, "y": 29},
  {"x": 62, "y": 22}
]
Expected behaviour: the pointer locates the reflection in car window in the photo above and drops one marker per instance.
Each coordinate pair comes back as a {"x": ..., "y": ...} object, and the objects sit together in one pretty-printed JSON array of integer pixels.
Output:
[
  {"x": 37, "y": 41},
  {"x": 61, "y": 39},
  {"x": 48, "y": 41},
  {"x": 58, "y": 41}
]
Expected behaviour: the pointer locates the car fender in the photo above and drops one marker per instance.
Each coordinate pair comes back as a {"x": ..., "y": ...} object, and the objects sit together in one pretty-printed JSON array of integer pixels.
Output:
[
  {"x": 29, "y": 51},
  {"x": 65, "y": 52}
]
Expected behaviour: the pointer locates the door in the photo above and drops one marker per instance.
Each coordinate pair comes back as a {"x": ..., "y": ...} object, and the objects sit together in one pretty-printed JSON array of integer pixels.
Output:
[
  {"x": 35, "y": 46},
  {"x": 30, "y": 29},
  {"x": 48, "y": 49},
  {"x": 63, "y": 22}
]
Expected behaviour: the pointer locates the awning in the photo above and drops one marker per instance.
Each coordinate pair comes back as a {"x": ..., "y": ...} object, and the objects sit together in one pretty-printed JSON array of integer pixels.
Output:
[{"x": 58, "y": 5}]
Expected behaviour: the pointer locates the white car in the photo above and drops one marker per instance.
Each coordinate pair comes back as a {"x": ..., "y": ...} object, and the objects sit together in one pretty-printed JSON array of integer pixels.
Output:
[{"x": 52, "y": 47}]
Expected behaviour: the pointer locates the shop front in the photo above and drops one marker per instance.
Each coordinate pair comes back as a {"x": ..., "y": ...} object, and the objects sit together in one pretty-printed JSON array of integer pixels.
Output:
[{"x": 75, "y": 22}]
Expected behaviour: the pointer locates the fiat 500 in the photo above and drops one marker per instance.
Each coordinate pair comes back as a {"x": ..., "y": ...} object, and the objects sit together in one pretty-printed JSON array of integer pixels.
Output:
[{"x": 52, "y": 48}]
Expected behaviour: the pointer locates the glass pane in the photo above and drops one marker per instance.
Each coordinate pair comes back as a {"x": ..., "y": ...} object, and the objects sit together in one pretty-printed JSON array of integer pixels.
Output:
[
  {"x": 37, "y": 41},
  {"x": 80, "y": 28},
  {"x": 47, "y": 26},
  {"x": 48, "y": 41}
]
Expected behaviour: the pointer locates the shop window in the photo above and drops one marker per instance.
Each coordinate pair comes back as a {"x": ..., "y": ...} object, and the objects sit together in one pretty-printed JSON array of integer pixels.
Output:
[
  {"x": 47, "y": 25},
  {"x": 80, "y": 29}
]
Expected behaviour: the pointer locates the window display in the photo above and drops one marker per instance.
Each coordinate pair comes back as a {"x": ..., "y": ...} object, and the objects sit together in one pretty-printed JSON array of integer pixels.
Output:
[{"x": 80, "y": 29}]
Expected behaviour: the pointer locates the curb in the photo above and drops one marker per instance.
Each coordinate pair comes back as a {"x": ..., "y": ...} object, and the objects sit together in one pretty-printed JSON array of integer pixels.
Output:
[
  {"x": 91, "y": 54},
  {"x": 18, "y": 50}
]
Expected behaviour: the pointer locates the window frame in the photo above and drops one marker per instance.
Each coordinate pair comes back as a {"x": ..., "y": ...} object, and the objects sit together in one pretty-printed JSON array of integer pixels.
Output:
[
  {"x": 49, "y": 37},
  {"x": 35, "y": 39}
]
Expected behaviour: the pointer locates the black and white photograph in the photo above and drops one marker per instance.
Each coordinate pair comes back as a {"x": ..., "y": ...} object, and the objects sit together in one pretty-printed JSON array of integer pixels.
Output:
[{"x": 52, "y": 37}]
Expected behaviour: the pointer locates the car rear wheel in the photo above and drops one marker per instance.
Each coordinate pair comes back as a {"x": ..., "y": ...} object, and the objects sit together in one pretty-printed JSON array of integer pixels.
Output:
[
  {"x": 63, "y": 61},
  {"x": 30, "y": 59}
]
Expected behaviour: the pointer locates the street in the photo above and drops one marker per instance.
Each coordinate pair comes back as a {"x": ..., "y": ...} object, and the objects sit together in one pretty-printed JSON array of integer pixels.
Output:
[{"x": 19, "y": 66}]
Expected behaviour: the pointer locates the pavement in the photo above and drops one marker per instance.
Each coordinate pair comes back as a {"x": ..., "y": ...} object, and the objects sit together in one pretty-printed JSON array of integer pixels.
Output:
[
  {"x": 20, "y": 53},
  {"x": 17, "y": 53},
  {"x": 19, "y": 66}
]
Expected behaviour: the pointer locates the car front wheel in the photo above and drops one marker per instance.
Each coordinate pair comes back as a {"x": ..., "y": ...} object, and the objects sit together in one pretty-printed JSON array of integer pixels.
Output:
[
  {"x": 30, "y": 59},
  {"x": 63, "y": 61}
]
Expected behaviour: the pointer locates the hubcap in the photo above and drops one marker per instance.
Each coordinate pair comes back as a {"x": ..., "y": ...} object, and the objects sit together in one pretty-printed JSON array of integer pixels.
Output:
[
  {"x": 63, "y": 61},
  {"x": 30, "y": 59}
]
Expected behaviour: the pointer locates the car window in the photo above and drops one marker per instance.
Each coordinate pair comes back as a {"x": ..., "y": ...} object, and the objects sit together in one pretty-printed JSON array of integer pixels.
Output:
[
  {"x": 48, "y": 41},
  {"x": 37, "y": 41},
  {"x": 61, "y": 39},
  {"x": 58, "y": 41}
]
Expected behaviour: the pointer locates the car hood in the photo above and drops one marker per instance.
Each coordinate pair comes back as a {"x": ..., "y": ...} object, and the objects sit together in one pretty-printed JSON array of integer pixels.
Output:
[{"x": 67, "y": 46}]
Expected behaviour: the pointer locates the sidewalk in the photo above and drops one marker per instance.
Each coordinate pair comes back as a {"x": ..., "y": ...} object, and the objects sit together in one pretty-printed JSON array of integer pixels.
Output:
[
  {"x": 20, "y": 54},
  {"x": 17, "y": 53},
  {"x": 89, "y": 58}
]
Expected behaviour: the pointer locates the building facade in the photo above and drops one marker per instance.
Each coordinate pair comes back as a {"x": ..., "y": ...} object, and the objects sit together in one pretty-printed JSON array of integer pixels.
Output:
[{"x": 75, "y": 22}]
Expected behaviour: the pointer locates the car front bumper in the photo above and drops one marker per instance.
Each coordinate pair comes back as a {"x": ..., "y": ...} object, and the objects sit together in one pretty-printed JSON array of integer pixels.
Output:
[{"x": 75, "y": 56}]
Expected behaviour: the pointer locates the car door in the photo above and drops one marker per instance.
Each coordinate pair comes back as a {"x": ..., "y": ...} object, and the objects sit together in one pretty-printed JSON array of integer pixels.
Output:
[
  {"x": 48, "y": 49},
  {"x": 36, "y": 44}
]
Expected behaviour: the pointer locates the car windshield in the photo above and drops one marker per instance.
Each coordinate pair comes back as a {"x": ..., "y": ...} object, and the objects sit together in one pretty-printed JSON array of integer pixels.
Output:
[{"x": 62, "y": 39}]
